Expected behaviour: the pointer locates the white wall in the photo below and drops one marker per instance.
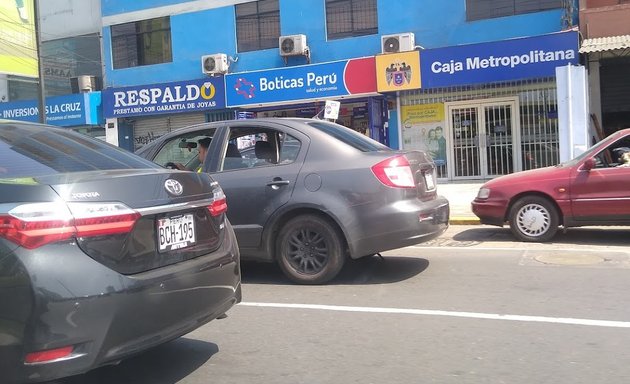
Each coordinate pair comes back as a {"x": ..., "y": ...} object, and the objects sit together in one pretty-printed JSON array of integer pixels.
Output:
[{"x": 66, "y": 18}]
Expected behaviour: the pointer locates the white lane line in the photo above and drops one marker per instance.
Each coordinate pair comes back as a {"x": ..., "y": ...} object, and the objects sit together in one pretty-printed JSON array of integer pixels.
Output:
[
  {"x": 428, "y": 312},
  {"x": 476, "y": 247}
]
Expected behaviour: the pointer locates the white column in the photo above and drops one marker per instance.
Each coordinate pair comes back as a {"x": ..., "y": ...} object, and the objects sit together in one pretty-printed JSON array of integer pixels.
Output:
[
  {"x": 111, "y": 131},
  {"x": 573, "y": 111}
]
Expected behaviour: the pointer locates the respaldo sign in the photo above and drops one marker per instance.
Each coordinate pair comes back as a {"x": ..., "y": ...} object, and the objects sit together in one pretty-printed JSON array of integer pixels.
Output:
[
  {"x": 522, "y": 58},
  {"x": 203, "y": 94}
]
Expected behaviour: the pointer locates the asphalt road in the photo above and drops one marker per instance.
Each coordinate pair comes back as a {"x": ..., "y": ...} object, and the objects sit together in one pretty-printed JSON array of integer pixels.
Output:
[{"x": 470, "y": 307}]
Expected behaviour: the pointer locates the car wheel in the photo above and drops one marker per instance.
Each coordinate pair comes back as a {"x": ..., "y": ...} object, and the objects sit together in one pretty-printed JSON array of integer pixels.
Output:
[
  {"x": 534, "y": 218},
  {"x": 310, "y": 250}
]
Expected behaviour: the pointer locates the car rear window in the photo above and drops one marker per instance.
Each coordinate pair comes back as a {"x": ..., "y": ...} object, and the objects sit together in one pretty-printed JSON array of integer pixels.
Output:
[
  {"x": 32, "y": 150},
  {"x": 350, "y": 137}
]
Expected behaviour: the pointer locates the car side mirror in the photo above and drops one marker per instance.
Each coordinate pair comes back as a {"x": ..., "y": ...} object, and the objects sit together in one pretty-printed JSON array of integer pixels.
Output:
[{"x": 589, "y": 164}]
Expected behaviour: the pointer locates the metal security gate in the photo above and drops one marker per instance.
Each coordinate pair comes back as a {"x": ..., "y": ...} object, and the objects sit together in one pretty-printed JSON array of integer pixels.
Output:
[
  {"x": 483, "y": 137},
  {"x": 147, "y": 129}
]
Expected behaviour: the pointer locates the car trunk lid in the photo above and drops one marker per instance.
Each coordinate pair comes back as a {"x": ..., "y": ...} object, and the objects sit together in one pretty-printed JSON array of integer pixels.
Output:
[{"x": 173, "y": 216}]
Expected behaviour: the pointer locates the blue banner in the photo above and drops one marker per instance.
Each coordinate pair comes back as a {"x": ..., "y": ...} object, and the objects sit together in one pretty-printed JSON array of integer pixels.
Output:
[
  {"x": 306, "y": 82},
  {"x": 286, "y": 84},
  {"x": 505, "y": 60},
  {"x": 167, "y": 98},
  {"x": 65, "y": 111}
]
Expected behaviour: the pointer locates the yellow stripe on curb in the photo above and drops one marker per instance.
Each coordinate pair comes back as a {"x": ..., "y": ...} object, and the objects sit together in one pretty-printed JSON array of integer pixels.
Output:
[{"x": 463, "y": 220}]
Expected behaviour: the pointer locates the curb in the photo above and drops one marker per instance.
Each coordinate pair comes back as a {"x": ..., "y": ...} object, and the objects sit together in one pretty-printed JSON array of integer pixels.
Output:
[{"x": 463, "y": 220}]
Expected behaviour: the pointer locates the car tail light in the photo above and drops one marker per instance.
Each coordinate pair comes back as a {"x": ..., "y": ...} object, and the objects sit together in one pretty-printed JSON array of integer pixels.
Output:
[
  {"x": 394, "y": 172},
  {"x": 48, "y": 355},
  {"x": 97, "y": 219},
  {"x": 219, "y": 205},
  {"x": 36, "y": 224}
]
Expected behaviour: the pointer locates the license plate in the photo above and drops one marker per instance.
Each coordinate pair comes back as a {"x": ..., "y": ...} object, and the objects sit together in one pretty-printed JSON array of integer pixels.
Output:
[
  {"x": 176, "y": 232},
  {"x": 428, "y": 180}
]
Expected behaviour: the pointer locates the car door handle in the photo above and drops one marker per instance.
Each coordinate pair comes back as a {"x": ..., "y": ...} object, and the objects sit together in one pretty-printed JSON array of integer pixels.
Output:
[{"x": 277, "y": 183}]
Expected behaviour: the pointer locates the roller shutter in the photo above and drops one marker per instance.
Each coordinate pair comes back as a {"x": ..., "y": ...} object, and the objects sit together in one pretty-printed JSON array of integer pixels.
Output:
[{"x": 147, "y": 129}]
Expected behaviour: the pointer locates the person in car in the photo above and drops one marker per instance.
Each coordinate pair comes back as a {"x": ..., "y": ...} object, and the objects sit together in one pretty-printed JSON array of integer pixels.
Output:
[
  {"x": 625, "y": 160},
  {"x": 202, "y": 148}
]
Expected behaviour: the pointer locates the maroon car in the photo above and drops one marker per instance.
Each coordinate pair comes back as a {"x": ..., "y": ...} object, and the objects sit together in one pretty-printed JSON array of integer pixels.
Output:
[{"x": 592, "y": 189}]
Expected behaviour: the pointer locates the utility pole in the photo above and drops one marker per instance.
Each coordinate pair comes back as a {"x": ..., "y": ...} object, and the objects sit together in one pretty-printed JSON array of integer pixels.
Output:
[{"x": 40, "y": 64}]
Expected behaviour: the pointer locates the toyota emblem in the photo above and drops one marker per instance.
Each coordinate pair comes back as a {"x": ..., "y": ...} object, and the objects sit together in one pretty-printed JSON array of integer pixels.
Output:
[{"x": 173, "y": 187}]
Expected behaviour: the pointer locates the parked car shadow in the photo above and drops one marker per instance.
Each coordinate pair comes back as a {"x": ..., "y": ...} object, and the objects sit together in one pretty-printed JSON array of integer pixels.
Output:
[
  {"x": 165, "y": 364},
  {"x": 367, "y": 270},
  {"x": 614, "y": 236}
]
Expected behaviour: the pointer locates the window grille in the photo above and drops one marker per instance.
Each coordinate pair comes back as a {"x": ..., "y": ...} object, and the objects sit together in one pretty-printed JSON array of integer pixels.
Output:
[
  {"x": 143, "y": 42},
  {"x": 348, "y": 18},
  {"x": 488, "y": 9},
  {"x": 257, "y": 25}
]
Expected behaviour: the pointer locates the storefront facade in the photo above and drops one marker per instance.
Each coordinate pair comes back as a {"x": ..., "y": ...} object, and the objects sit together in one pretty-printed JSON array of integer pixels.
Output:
[
  {"x": 301, "y": 91},
  {"x": 138, "y": 115},
  {"x": 489, "y": 109},
  {"x": 81, "y": 112}
]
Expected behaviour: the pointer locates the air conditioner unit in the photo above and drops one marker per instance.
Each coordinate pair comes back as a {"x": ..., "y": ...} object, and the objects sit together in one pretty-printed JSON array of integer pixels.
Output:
[
  {"x": 216, "y": 64},
  {"x": 399, "y": 42},
  {"x": 293, "y": 45}
]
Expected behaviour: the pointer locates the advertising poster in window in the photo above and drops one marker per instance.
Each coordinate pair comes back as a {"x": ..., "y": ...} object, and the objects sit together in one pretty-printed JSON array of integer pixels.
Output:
[{"x": 423, "y": 129}]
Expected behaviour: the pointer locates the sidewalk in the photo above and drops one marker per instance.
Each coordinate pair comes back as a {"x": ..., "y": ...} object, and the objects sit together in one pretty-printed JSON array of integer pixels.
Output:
[{"x": 460, "y": 195}]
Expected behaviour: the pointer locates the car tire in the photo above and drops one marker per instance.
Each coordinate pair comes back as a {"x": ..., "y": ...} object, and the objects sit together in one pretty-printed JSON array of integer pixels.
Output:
[
  {"x": 310, "y": 250},
  {"x": 534, "y": 219}
]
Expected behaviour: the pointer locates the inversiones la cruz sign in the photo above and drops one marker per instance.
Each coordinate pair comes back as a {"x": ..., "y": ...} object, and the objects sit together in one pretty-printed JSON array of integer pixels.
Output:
[
  {"x": 522, "y": 58},
  {"x": 66, "y": 111},
  {"x": 154, "y": 99}
]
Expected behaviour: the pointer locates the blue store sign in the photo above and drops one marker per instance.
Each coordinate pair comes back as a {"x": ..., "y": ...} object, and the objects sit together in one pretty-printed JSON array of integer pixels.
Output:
[
  {"x": 307, "y": 82},
  {"x": 65, "y": 111},
  {"x": 522, "y": 58},
  {"x": 167, "y": 98}
]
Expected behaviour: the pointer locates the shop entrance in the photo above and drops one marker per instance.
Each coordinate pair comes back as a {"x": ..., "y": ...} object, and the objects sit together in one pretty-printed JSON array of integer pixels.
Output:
[{"x": 483, "y": 137}]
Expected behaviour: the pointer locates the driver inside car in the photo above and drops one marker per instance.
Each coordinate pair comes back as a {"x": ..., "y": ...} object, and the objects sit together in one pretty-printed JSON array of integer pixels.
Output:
[{"x": 202, "y": 149}]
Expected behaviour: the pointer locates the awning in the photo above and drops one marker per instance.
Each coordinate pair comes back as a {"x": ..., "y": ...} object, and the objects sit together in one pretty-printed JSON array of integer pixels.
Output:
[{"x": 601, "y": 44}]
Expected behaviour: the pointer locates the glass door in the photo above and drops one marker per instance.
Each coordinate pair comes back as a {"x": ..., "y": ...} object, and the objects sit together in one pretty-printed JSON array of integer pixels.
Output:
[
  {"x": 465, "y": 138},
  {"x": 482, "y": 137},
  {"x": 497, "y": 140}
]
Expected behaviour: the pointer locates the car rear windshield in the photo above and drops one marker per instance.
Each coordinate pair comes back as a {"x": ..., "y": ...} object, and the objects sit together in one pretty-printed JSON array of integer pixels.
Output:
[
  {"x": 350, "y": 137},
  {"x": 30, "y": 150}
]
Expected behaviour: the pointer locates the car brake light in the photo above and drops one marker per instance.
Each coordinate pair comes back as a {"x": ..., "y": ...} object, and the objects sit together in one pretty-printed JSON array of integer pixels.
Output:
[
  {"x": 219, "y": 205},
  {"x": 48, "y": 355},
  {"x": 394, "y": 172},
  {"x": 36, "y": 224},
  {"x": 98, "y": 219}
]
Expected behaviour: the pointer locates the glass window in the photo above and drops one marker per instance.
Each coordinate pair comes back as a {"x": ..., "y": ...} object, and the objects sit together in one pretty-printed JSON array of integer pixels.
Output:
[
  {"x": 143, "y": 42},
  {"x": 32, "y": 151},
  {"x": 256, "y": 146},
  {"x": 615, "y": 155},
  {"x": 487, "y": 9},
  {"x": 349, "y": 137},
  {"x": 348, "y": 18},
  {"x": 257, "y": 25},
  {"x": 183, "y": 150}
]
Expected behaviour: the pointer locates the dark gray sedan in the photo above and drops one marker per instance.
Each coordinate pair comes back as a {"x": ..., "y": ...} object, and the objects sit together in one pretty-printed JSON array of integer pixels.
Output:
[
  {"x": 309, "y": 193},
  {"x": 103, "y": 254}
]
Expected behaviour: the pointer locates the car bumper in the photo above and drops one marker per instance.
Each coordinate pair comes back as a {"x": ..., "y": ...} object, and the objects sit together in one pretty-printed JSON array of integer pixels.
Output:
[
  {"x": 491, "y": 212},
  {"x": 107, "y": 316},
  {"x": 399, "y": 224}
]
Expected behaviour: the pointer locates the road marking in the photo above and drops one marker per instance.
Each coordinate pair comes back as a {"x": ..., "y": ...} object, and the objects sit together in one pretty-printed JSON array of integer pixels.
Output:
[
  {"x": 613, "y": 248},
  {"x": 428, "y": 312}
]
